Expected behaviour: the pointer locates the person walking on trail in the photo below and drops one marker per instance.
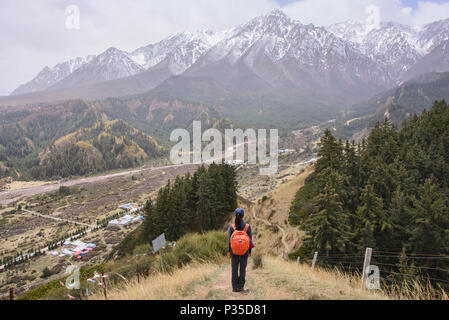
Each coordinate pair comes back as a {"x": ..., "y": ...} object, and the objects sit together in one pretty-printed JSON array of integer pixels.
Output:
[{"x": 240, "y": 245}]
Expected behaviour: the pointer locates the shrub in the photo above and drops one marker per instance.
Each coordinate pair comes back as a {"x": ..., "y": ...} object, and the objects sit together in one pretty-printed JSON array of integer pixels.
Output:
[
  {"x": 46, "y": 273},
  {"x": 257, "y": 261}
]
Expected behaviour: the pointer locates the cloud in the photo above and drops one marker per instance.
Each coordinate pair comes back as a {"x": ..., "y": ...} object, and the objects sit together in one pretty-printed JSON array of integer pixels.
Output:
[
  {"x": 326, "y": 12},
  {"x": 428, "y": 12},
  {"x": 34, "y": 35}
]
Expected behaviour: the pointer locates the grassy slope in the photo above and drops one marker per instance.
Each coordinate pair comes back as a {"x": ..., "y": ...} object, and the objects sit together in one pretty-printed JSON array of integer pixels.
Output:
[
  {"x": 277, "y": 280},
  {"x": 270, "y": 227}
]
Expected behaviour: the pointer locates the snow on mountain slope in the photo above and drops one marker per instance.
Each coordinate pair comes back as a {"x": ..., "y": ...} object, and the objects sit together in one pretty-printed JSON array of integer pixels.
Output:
[
  {"x": 395, "y": 46},
  {"x": 49, "y": 76},
  {"x": 180, "y": 50},
  {"x": 273, "y": 47},
  {"x": 284, "y": 51},
  {"x": 433, "y": 35},
  {"x": 111, "y": 64}
]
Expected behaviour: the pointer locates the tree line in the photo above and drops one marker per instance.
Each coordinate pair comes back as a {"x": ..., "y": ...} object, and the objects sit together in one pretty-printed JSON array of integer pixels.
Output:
[
  {"x": 197, "y": 202},
  {"x": 390, "y": 192}
]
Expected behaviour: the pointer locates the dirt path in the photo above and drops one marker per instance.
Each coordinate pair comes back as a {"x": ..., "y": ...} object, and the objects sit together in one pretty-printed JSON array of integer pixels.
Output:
[
  {"x": 219, "y": 287},
  {"x": 284, "y": 233},
  {"x": 59, "y": 219}
]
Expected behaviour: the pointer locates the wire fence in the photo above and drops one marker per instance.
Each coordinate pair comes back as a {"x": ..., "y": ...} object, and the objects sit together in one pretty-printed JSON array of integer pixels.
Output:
[
  {"x": 347, "y": 262},
  {"x": 393, "y": 264}
]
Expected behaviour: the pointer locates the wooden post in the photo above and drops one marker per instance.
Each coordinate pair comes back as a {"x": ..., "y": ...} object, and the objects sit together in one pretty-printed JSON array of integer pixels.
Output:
[
  {"x": 315, "y": 256},
  {"x": 137, "y": 272},
  {"x": 298, "y": 260},
  {"x": 11, "y": 294},
  {"x": 367, "y": 262},
  {"x": 162, "y": 263},
  {"x": 104, "y": 285}
]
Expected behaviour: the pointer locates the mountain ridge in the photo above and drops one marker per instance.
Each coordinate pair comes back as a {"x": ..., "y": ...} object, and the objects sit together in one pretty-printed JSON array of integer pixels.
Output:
[{"x": 392, "y": 46}]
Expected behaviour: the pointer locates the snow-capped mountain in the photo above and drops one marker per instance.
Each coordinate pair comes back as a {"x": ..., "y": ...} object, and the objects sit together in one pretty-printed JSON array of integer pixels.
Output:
[
  {"x": 50, "y": 76},
  {"x": 350, "y": 58},
  {"x": 354, "y": 31},
  {"x": 179, "y": 51},
  {"x": 433, "y": 35},
  {"x": 284, "y": 52},
  {"x": 111, "y": 64},
  {"x": 395, "y": 46}
]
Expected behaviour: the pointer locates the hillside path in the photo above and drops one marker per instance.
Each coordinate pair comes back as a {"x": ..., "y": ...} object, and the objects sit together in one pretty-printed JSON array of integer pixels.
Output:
[
  {"x": 284, "y": 234},
  {"x": 219, "y": 287}
]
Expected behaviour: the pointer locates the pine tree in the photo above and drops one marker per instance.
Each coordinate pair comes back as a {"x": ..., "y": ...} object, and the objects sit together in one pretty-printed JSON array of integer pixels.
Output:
[
  {"x": 330, "y": 154},
  {"x": 400, "y": 220},
  {"x": 430, "y": 220},
  {"x": 372, "y": 219},
  {"x": 206, "y": 212},
  {"x": 328, "y": 227}
]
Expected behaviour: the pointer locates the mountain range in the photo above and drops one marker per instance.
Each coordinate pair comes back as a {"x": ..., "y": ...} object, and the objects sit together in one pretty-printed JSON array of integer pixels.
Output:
[{"x": 271, "y": 66}]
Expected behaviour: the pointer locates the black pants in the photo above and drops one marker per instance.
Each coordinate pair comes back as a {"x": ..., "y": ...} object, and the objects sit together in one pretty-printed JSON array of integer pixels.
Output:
[{"x": 239, "y": 264}]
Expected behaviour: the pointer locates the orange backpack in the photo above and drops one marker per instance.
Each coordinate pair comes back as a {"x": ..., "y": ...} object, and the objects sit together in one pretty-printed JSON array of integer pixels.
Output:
[{"x": 240, "y": 241}]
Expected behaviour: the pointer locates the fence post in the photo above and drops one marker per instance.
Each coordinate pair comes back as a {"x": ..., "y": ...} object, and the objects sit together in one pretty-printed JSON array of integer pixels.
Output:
[
  {"x": 11, "y": 294},
  {"x": 137, "y": 272},
  {"x": 298, "y": 260},
  {"x": 104, "y": 285},
  {"x": 315, "y": 256},
  {"x": 162, "y": 263},
  {"x": 367, "y": 262}
]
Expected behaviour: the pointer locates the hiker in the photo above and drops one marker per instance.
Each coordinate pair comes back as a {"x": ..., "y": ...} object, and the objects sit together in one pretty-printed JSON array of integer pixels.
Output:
[{"x": 240, "y": 245}]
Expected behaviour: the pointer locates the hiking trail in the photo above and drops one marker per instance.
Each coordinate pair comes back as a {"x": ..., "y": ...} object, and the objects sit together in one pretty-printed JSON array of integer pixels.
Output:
[
  {"x": 218, "y": 286},
  {"x": 284, "y": 234}
]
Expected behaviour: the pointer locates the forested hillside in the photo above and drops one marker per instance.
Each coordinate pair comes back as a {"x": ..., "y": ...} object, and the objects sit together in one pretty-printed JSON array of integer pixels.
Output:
[
  {"x": 105, "y": 146},
  {"x": 37, "y": 141},
  {"x": 389, "y": 193},
  {"x": 397, "y": 104},
  {"x": 193, "y": 203}
]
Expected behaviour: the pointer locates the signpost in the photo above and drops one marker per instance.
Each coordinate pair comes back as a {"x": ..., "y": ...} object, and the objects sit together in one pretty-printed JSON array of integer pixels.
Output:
[{"x": 158, "y": 245}]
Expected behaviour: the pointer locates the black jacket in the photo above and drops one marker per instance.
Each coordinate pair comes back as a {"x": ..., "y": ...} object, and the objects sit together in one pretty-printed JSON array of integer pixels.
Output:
[{"x": 231, "y": 231}]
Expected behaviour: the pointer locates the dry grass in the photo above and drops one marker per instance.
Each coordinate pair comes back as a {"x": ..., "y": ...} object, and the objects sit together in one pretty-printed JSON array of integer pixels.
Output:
[
  {"x": 278, "y": 279},
  {"x": 174, "y": 286},
  {"x": 17, "y": 185},
  {"x": 335, "y": 284},
  {"x": 416, "y": 290},
  {"x": 276, "y": 209},
  {"x": 317, "y": 284}
]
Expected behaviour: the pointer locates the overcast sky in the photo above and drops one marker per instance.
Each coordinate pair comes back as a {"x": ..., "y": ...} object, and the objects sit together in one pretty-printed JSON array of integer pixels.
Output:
[{"x": 33, "y": 33}]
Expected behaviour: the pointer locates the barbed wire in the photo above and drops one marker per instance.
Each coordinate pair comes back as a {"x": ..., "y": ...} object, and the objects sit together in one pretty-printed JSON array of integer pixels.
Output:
[
  {"x": 413, "y": 267},
  {"x": 413, "y": 254},
  {"x": 411, "y": 257},
  {"x": 339, "y": 257},
  {"x": 412, "y": 275}
]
